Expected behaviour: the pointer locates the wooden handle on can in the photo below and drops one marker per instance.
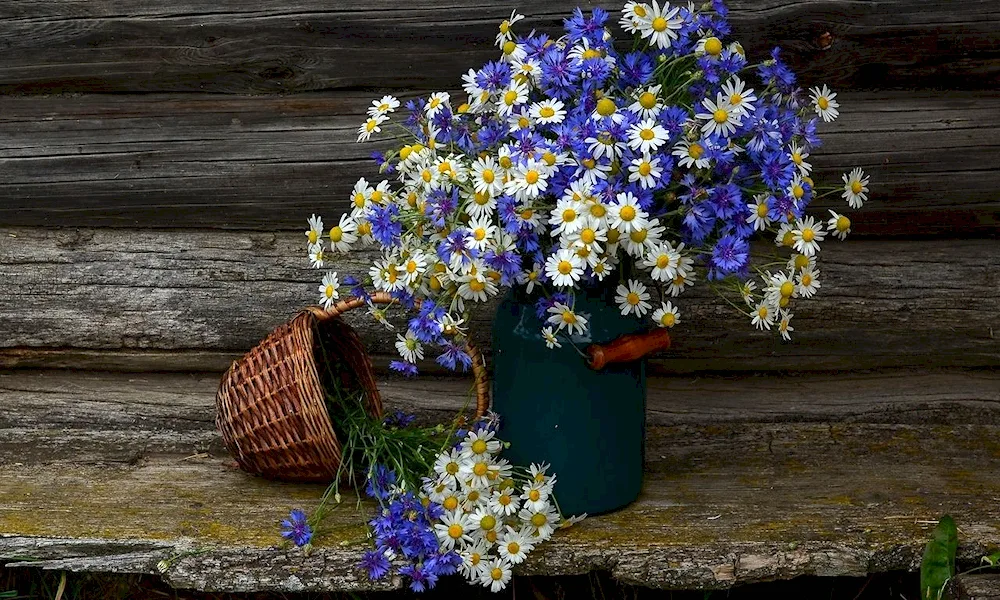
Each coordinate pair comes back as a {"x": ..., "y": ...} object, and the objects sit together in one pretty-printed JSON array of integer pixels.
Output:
[{"x": 627, "y": 348}]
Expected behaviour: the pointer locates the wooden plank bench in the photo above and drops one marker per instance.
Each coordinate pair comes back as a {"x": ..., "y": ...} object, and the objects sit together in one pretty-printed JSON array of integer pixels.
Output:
[{"x": 157, "y": 165}]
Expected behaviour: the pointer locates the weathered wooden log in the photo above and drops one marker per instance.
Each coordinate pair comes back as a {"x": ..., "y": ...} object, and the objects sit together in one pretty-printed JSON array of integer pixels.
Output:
[
  {"x": 882, "y": 304},
  {"x": 269, "y": 162},
  {"x": 268, "y": 46}
]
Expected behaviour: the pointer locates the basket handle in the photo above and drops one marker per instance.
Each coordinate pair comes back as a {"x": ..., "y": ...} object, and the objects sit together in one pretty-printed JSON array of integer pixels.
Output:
[
  {"x": 627, "y": 348},
  {"x": 478, "y": 362}
]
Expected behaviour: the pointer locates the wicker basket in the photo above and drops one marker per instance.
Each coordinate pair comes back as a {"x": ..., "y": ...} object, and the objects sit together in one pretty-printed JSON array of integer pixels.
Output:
[{"x": 271, "y": 407}]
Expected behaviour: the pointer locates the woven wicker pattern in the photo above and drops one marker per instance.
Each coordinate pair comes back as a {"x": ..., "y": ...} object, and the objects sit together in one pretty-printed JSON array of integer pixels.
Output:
[{"x": 271, "y": 405}]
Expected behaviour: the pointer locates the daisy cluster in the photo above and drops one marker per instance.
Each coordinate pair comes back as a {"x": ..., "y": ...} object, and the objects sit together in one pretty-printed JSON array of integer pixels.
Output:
[
  {"x": 475, "y": 515},
  {"x": 568, "y": 162}
]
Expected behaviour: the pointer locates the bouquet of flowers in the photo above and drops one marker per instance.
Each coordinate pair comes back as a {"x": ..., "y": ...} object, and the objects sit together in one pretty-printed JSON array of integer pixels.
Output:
[{"x": 573, "y": 163}]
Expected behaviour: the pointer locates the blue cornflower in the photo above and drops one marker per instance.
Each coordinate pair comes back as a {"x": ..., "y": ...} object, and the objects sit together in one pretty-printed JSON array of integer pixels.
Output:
[
  {"x": 375, "y": 564},
  {"x": 636, "y": 69},
  {"x": 384, "y": 165},
  {"x": 453, "y": 356},
  {"x": 385, "y": 228},
  {"x": 777, "y": 73},
  {"x": 426, "y": 326},
  {"x": 398, "y": 419},
  {"x": 579, "y": 26},
  {"x": 559, "y": 74},
  {"x": 777, "y": 170},
  {"x": 494, "y": 76},
  {"x": 444, "y": 564},
  {"x": 726, "y": 200},
  {"x": 420, "y": 578},
  {"x": 406, "y": 368},
  {"x": 730, "y": 254},
  {"x": 380, "y": 481},
  {"x": 296, "y": 528},
  {"x": 698, "y": 223}
]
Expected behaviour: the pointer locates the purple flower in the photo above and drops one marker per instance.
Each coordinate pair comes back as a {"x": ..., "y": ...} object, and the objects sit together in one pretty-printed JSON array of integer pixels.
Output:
[
  {"x": 421, "y": 578},
  {"x": 406, "y": 368},
  {"x": 375, "y": 564},
  {"x": 730, "y": 254},
  {"x": 380, "y": 481},
  {"x": 399, "y": 419},
  {"x": 636, "y": 69},
  {"x": 453, "y": 356},
  {"x": 385, "y": 228},
  {"x": 296, "y": 528},
  {"x": 494, "y": 76}
]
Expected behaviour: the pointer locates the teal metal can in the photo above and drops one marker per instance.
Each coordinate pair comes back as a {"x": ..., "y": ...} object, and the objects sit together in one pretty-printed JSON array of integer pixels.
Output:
[{"x": 589, "y": 425}]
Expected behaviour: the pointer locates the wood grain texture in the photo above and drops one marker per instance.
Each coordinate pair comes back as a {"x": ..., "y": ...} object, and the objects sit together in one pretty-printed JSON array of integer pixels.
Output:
[
  {"x": 117, "y": 418},
  {"x": 883, "y": 304},
  {"x": 267, "y": 163},
  {"x": 723, "y": 504},
  {"x": 977, "y": 586},
  {"x": 270, "y": 46}
]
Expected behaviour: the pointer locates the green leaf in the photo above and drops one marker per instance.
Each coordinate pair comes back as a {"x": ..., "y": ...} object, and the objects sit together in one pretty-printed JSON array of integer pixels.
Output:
[
  {"x": 938, "y": 565},
  {"x": 992, "y": 559}
]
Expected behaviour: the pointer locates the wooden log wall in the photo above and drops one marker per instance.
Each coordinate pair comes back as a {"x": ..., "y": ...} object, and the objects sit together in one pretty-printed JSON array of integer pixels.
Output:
[{"x": 158, "y": 162}]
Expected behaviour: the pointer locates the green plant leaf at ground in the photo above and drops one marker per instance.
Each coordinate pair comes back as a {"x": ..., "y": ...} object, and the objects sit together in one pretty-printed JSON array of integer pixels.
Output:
[{"x": 938, "y": 565}]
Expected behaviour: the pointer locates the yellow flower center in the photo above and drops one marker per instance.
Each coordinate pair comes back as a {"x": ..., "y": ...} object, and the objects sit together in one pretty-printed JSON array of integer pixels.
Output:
[
  {"x": 659, "y": 24},
  {"x": 762, "y": 210},
  {"x": 513, "y": 547},
  {"x": 568, "y": 215},
  {"x": 822, "y": 103},
  {"x": 474, "y": 558},
  {"x": 627, "y": 213},
  {"x": 476, "y": 286},
  {"x": 797, "y": 191},
  {"x": 371, "y": 125},
  {"x": 598, "y": 210},
  {"x": 632, "y": 298},
  {"x": 313, "y": 236},
  {"x": 365, "y": 228},
  {"x": 359, "y": 200},
  {"x": 788, "y": 239},
  {"x": 426, "y": 175},
  {"x": 478, "y": 447},
  {"x": 606, "y": 107},
  {"x": 510, "y": 97},
  {"x": 613, "y": 235},
  {"x": 505, "y": 27},
  {"x": 404, "y": 152},
  {"x": 808, "y": 234},
  {"x": 509, "y": 47},
  {"x": 647, "y": 100},
  {"x": 565, "y": 267},
  {"x": 588, "y": 235},
  {"x": 797, "y": 158},
  {"x": 695, "y": 151},
  {"x": 435, "y": 283},
  {"x": 801, "y": 261},
  {"x": 450, "y": 503},
  {"x": 638, "y": 236},
  {"x": 713, "y": 46},
  {"x": 455, "y": 531},
  {"x": 506, "y": 162},
  {"x": 504, "y": 499},
  {"x": 856, "y": 187},
  {"x": 590, "y": 53},
  {"x": 735, "y": 99},
  {"x": 639, "y": 10},
  {"x": 523, "y": 122},
  {"x": 783, "y": 302},
  {"x": 488, "y": 175},
  {"x": 787, "y": 288},
  {"x": 720, "y": 115},
  {"x": 568, "y": 317},
  {"x": 667, "y": 320},
  {"x": 411, "y": 199},
  {"x": 463, "y": 107},
  {"x": 662, "y": 261},
  {"x": 527, "y": 213},
  {"x": 539, "y": 519},
  {"x": 549, "y": 158},
  {"x": 496, "y": 574},
  {"x": 411, "y": 266},
  {"x": 481, "y": 199},
  {"x": 807, "y": 279},
  {"x": 491, "y": 536},
  {"x": 531, "y": 177},
  {"x": 679, "y": 280},
  {"x": 479, "y": 234},
  {"x": 488, "y": 522},
  {"x": 473, "y": 496},
  {"x": 435, "y": 102},
  {"x": 843, "y": 223},
  {"x": 588, "y": 163},
  {"x": 534, "y": 495},
  {"x": 329, "y": 291},
  {"x": 647, "y": 134},
  {"x": 645, "y": 168},
  {"x": 480, "y": 469},
  {"x": 762, "y": 312}
]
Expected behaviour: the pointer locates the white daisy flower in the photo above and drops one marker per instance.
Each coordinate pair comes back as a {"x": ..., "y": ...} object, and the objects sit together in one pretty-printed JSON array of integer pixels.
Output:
[
  {"x": 747, "y": 292},
  {"x": 528, "y": 68},
  {"x": 447, "y": 465},
  {"x": 660, "y": 26},
  {"x": 540, "y": 523},
  {"x": 824, "y": 103},
  {"x": 590, "y": 236},
  {"x": 476, "y": 286},
  {"x": 529, "y": 278},
  {"x": 371, "y": 126},
  {"x": 680, "y": 282},
  {"x": 662, "y": 262},
  {"x": 512, "y": 97},
  {"x": 667, "y": 315},
  {"x": 691, "y": 154},
  {"x": 503, "y": 502},
  {"x": 548, "y": 111},
  {"x": 316, "y": 255},
  {"x": 798, "y": 155},
  {"x": 607, "y": 108},
  {"x": 564, "y": 268},
  {"x": 797, "y": 262},
  {"x": 796, "y": 189},
  {"x": 479, "y": 443},
  {"x": 721, "y": 118},
  {"x": 633, "y": 299},
  {"x": 550, "y": 338},
  {"x": 632, "y": 16},
  {"x": 645, "y": 170},
  {"x": 601, "y": 269},
  {"x": 807, "y": 235},
  {"x": 539, "y": 473},
  {"x": 436, "y": 102},
  {"x": 592, "y": 171},
  {"x": 758, "y": 213},
  {"x": 711, "y": 46},
  {"x": 648, "y": 105},
  {"x": 528, "y": 181},
  {"x": 567, "y": 217},
  {"x": 513, "y": 53},
  {"x": 486, "y": 523},
  {"x": 646, "y": 136},
  {"x": 487, "y": 178},
  {"x": 481, "y": 232},
  {"x": 855, "y": 188},
  {"x": 838, "y": 225},
  {"x": 384, "y": 106},
  {"x": 519, "y": 119},
  {"x": 409, "y": 347},
  {"x": 328, "y": 289},
  {"x": 808, "y": 282},
  {"x": 454, "y": 530},
  {"x": 785, "y": 235},
  {"x": 626, "y": 215},
  {"x": 506, "y": 35},
  {"x": 780, "y": 287},
  {"x": 385, "y": 274},
  {"x": 783, "y": 325},
  {"x": 315, "y": 230},
  {"x": 360, "y": 195},
  {"x": 495, "y": 574},
  {"x": 480, "y": 205},
  {"x": 342, "y": 235},
  {"x": 562, "y": 316},
  {"x": 535, "y": 495},
  {"x": 413, "y": 268},
  {"x": 639, "y": 241},
  {"x": 762, "y": 316},
  {"x": 474, "y": 559},
  {"x": 514, "y": 545},
  {"x": 605, "y": 145},
  {"x": 740, "y": 98}
]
